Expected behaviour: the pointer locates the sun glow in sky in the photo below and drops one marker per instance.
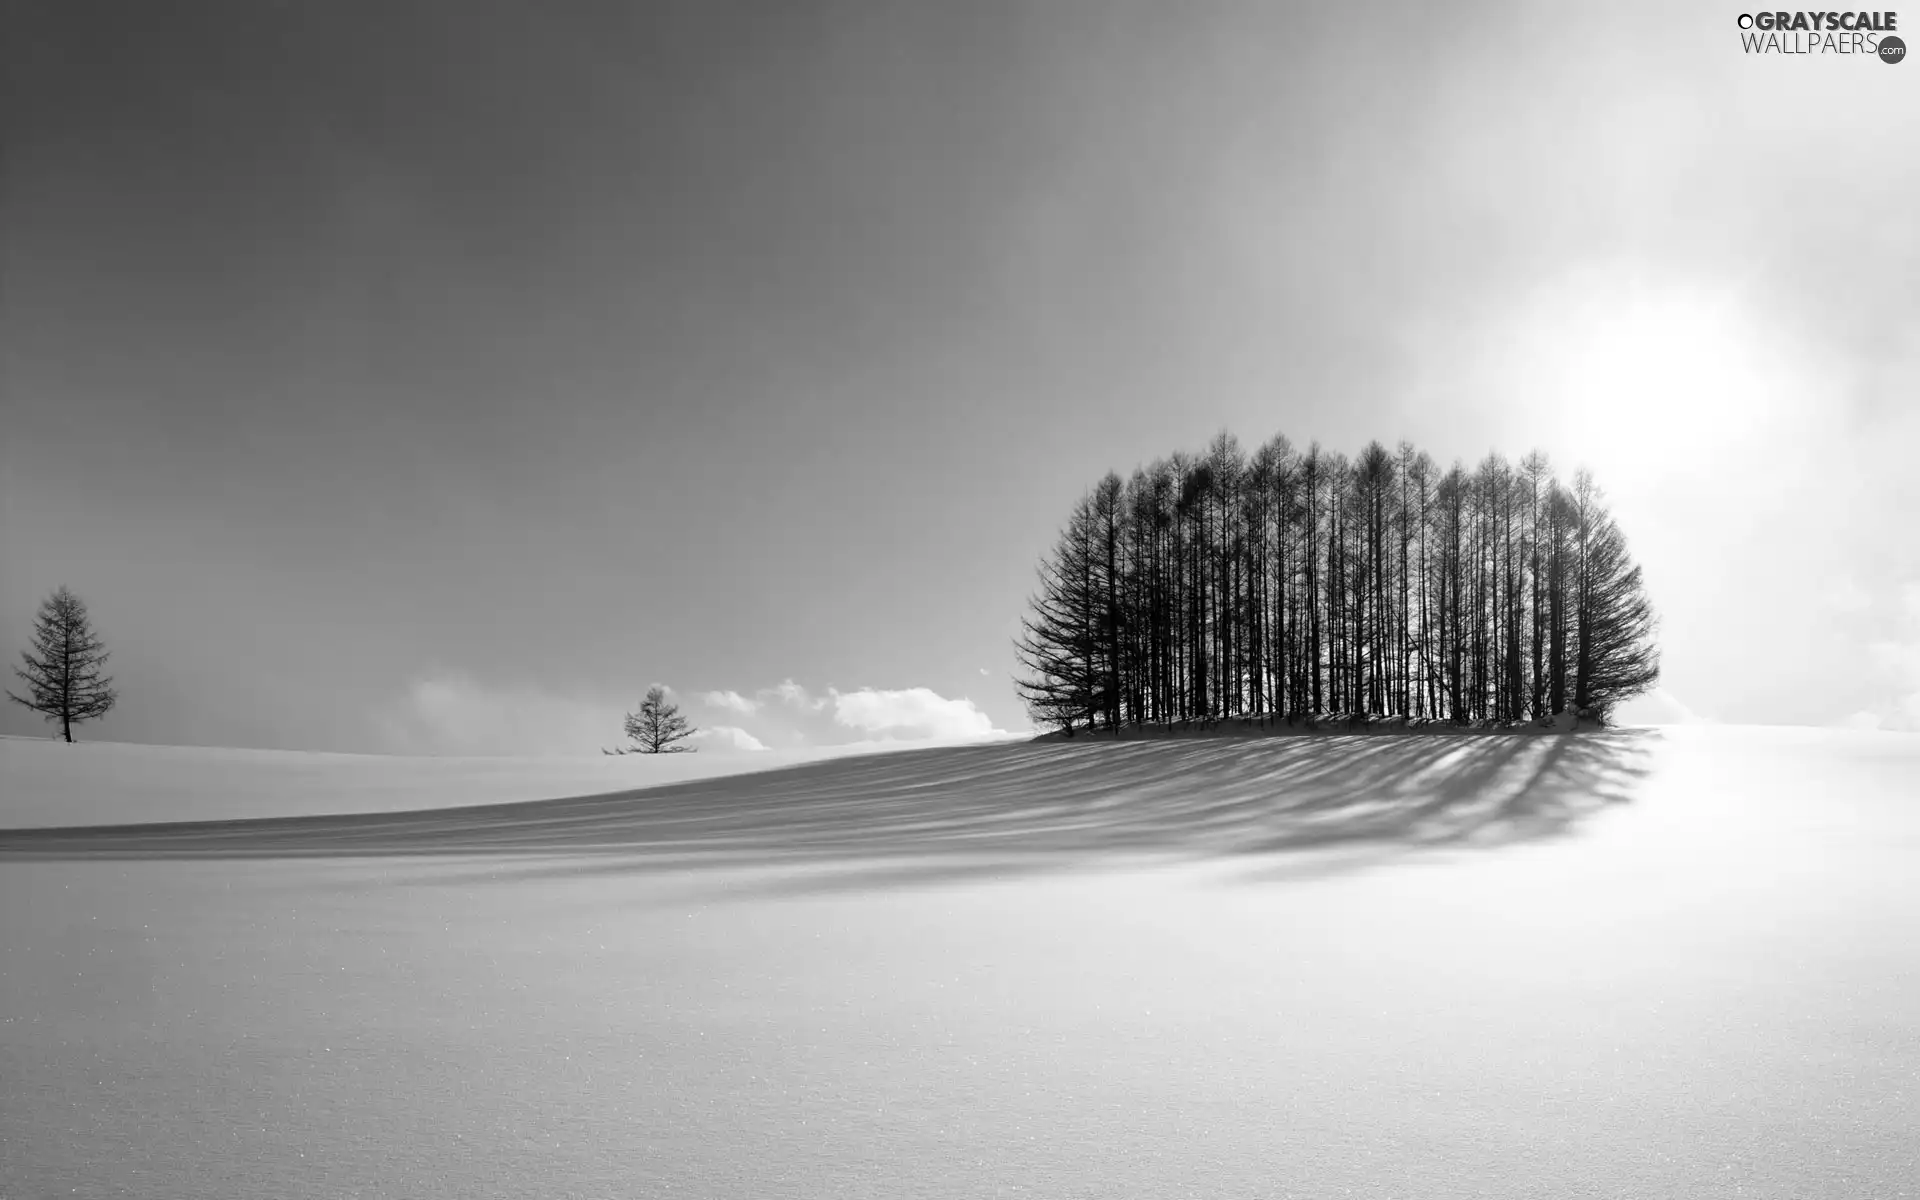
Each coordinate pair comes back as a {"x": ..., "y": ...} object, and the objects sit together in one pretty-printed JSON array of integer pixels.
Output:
[
  {"x": 1648, "y": 379},
  {"x": 1727, "y": 447}
]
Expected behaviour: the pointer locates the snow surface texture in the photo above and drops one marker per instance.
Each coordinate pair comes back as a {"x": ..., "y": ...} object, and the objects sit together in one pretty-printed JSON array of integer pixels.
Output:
[
  {"x": 1677, "y": 963},
  {"x": 46, "y": 782}
]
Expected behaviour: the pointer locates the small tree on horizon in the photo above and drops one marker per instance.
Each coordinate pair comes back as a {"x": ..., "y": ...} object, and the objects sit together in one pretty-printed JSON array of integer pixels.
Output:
[
  {"x": 62, "y": 670},
  {"x": 658, "y": 728}
]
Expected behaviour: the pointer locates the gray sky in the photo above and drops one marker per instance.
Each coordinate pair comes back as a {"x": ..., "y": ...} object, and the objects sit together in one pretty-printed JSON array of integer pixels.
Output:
[{"x": 434, "y": 377}]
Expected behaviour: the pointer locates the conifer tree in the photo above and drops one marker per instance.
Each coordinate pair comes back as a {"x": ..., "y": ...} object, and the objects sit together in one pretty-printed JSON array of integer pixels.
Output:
[
  {"x": 658, "y": 728},
  {"x": 1613, "y": 622},
  {"x": 62, "y": 670},
  {"x": 1059, "y": 643}
]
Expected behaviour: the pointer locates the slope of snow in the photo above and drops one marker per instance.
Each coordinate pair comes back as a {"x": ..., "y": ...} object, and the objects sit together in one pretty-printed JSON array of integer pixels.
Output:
[
  {"x": 1674, "y": 963},
  {"x": 45, "y": 782}
]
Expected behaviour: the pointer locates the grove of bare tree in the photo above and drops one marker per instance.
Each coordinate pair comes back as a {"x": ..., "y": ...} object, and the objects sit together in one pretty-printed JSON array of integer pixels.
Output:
[{"x": 1301, "y": 584}]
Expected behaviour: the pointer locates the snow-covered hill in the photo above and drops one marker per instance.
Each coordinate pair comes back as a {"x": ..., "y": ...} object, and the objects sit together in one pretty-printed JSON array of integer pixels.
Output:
[
  {"x": 46, "y": 782},
  {"x": 1648, "y": 963}
]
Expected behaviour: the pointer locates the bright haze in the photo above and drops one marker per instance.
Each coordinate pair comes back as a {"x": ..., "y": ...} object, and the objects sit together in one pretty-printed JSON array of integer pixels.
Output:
[{"x": 434, "y": 378}]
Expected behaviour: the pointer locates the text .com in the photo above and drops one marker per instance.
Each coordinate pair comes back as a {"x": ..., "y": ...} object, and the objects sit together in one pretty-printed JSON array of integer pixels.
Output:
[{"x": 1871, "y": 34}]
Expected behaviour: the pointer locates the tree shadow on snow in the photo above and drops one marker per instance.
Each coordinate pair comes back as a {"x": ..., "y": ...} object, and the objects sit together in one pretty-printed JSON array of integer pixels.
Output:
[{"x": 914, "y": 818}]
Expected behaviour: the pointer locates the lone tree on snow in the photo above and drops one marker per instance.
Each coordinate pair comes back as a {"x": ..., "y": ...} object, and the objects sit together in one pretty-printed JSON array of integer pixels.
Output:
[
  {"x": 658, "y": 728},
  {"x": 62, "y": 671}
]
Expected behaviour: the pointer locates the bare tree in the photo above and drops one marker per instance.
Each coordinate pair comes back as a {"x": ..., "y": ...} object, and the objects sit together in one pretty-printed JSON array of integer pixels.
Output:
[
  {"x": 1059, "y": 644},
  {"x": 62, "y": 670},
  {"x": 658, "y": 728},
  {"x": 1617, "y": 657}
]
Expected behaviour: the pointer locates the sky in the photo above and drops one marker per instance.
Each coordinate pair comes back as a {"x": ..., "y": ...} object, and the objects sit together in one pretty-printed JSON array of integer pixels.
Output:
[{"x": 433, "y": 378}]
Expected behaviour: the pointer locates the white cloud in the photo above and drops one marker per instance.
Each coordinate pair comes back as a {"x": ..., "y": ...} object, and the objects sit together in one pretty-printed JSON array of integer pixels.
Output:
[
  {"x": 789, "y": 715},
  {"x": 910, "y": 714},
  {"x": 793, "y": 696},
  {"x": 452, "y": 713},
  {"x": 731, "y": 701},
  {"x": 726, "y": 737},
  {"x": 983, "y": 670}
]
